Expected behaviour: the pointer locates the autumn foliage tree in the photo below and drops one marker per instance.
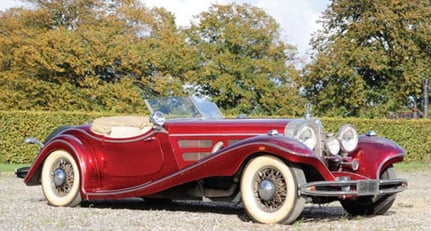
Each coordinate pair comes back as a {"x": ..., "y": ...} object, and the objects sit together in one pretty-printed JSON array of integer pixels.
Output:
[
  {"x": 244, "y": 65},
  {"x": 371, "y": 57},
  {"x": 105, "y": 55},
  {"x": 85, "y": 55}
]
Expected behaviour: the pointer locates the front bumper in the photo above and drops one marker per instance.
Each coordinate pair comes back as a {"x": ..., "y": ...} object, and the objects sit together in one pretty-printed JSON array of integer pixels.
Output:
[{"x": 353, "y": 187}]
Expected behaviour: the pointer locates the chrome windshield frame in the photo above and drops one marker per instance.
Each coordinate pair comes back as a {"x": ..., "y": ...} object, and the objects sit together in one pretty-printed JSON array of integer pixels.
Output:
[{"x": 184, "y": 107}]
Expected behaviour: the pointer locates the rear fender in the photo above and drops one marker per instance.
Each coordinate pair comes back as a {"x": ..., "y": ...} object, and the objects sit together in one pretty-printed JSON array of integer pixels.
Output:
[
  {"x": 375, "y": 154},
  {"x": 80, "y": 153}
]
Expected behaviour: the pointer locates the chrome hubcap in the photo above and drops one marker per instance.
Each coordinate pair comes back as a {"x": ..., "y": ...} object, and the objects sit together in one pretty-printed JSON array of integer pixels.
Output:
[
  {"x": 266, "y": 190},
  {"x": 59, "y": 177}
]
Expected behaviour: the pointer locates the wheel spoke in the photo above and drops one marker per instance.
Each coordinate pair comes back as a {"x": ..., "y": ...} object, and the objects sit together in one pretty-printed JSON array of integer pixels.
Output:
[
  {"x": 60, "y": 179},
  {"x": 276, "y": 178},
  {"x": 65, "y": 166}
]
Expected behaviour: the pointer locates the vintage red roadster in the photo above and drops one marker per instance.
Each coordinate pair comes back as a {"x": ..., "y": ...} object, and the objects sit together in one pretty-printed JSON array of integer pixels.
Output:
[{"x": 186, "y": 150}]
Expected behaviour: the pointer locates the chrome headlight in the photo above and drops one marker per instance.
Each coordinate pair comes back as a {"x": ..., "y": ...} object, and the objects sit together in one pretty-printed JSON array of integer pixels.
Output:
[
  {"x": 307, "y": 132},
  {"x": 306, "y": 135},
  {"x": 332, "y": 145},
  {"x": 348, "y": 137}
]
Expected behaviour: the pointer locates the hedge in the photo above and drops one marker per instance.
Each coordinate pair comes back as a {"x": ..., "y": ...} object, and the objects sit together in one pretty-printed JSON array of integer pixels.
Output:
[
  {"x": 413, "y": 135},
  {"x": 16, "y": 125}
]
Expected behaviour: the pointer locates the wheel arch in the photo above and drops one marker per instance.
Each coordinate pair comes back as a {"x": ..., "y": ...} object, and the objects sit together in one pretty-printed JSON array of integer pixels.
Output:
[
  {"x": 310, "y": 171},
  {"x": 295, "y": 166},
  {"x": 287, "y": 149},
  {"x": 76, "y": 148},
  {"x": 376, "y": 154}
]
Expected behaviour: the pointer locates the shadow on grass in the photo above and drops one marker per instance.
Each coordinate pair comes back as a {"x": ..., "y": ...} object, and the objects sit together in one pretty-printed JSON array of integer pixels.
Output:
[
  {"x": 310, "y": 214},
  {"x": 176, "y": 205}
]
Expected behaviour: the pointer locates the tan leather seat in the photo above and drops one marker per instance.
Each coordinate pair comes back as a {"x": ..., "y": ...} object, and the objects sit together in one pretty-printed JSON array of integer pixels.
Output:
[{"x": 121, "y": 126}]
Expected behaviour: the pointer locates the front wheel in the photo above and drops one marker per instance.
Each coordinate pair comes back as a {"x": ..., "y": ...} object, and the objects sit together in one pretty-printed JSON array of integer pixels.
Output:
[
  {"x": 269, "y": 190},
  {"x": 377, "y": 205},
  {"x": 61, "y": 179}
]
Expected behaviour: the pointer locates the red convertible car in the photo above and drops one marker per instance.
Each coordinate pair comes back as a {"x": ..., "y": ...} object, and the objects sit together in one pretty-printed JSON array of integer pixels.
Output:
[{"x": 186, "y": 150}]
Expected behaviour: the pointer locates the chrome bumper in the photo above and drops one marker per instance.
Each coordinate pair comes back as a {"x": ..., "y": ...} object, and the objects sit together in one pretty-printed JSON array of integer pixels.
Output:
[{"x": 353, "y": 187}]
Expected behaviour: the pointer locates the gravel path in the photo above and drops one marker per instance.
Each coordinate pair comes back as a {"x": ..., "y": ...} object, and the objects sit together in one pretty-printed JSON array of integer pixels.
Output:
[{"x": 24, "y": 208}]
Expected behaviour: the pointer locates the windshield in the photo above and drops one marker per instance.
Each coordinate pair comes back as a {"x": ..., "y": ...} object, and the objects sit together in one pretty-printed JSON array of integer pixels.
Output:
[{"x": 184, "y": 107}]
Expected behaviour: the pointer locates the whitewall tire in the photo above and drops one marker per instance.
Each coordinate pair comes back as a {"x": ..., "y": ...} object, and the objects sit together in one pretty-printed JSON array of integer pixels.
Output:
[
  {"x": 269, "y": 190},
  {"x": 61, "y": 179}
]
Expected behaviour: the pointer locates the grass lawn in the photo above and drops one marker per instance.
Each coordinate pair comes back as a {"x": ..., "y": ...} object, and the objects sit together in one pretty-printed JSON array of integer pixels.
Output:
[
  {"x": 11, "y": 167},
  {"x": 413, "y": 166}
]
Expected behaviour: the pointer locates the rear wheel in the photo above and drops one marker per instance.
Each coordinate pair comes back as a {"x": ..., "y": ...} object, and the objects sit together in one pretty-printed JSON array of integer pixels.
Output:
[
  {"x": 269, "y": 190},
  {"x": 61, "y": 179},
  {"x": 377, "y": 205}
]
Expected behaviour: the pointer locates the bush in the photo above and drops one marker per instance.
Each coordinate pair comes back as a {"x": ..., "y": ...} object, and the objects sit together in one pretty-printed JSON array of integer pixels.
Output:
[
  {"x": 16, "y": 125},
  {"x": 413, "y": 135}
]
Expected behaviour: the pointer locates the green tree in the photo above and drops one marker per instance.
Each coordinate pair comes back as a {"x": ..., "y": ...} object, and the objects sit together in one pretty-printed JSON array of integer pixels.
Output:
[
  {"x": 370, "y": 57},
  {"x": 244, "y": 65},
  {"x": 169, "y": 57}
]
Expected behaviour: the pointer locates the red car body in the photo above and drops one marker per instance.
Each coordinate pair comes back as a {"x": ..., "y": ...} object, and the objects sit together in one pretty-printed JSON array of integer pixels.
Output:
[{"x": 207, "y": 158}]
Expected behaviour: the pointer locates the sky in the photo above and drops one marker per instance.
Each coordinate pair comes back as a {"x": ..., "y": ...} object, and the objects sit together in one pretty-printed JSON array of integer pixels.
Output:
[{"x": 296, "y": 18}]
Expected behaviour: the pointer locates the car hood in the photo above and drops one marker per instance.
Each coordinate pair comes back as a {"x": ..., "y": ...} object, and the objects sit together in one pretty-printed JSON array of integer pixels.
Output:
[{"x": 226, "y": 126}]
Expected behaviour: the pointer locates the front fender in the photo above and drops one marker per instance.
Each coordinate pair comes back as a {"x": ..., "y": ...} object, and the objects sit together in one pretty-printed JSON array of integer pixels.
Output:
[
  {"x": 375, "y": 154},
  {"x": 293, "y": 151},
  {"x": 77, "y": 149}
]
